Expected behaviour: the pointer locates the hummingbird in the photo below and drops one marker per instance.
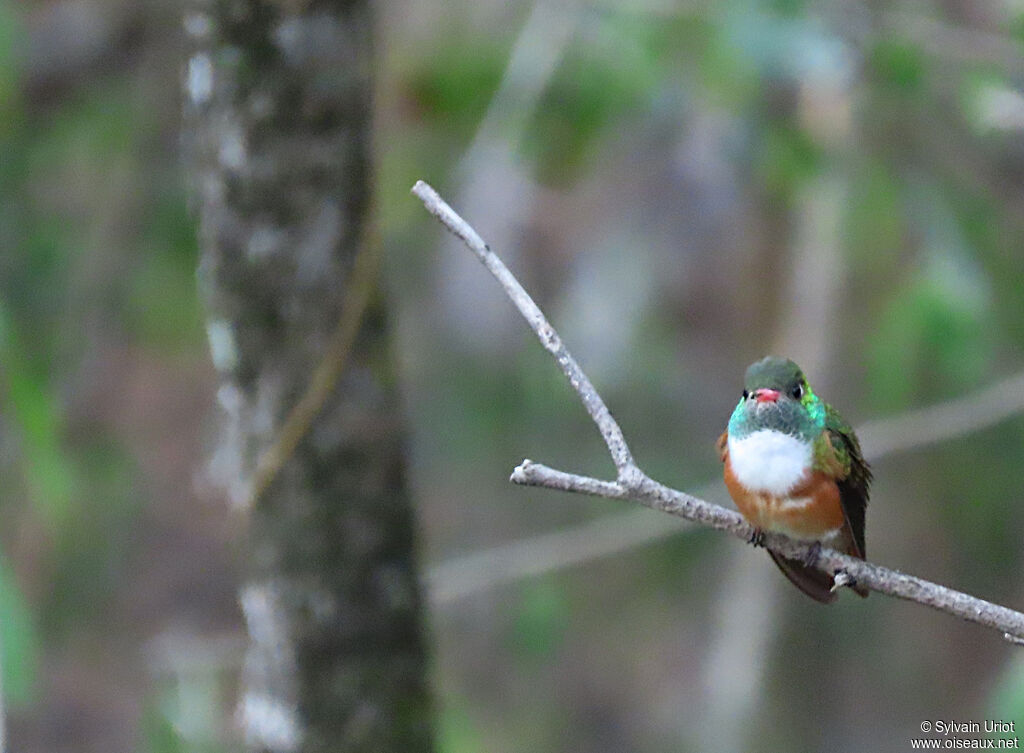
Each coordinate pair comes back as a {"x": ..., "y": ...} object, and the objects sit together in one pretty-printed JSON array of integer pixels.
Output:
[{"x": 794, "y": 466}]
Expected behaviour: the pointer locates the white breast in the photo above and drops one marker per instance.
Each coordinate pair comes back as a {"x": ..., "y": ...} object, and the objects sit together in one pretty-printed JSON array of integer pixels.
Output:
[{"x": 769, "y": 461}]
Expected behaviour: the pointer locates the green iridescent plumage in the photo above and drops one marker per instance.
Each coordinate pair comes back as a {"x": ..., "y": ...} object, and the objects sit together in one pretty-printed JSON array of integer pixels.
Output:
[
  {"x": 803, "y": 416},
  {"x": 854, "y": 483},
  {"x": 801, "y": 413},
  {"x": 777, "y": 400}
]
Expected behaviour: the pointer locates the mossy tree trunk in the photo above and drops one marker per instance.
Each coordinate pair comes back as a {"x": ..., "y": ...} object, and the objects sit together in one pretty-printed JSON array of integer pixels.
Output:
[{"x": 277, "y": 98}]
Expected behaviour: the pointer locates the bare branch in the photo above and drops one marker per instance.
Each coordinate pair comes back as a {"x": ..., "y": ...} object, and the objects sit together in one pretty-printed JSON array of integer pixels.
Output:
[
  {"x": 574, "y": 545},
  {"x": 635, "y": 486},
  {"x": 937, "y": 423},
  {"x": 621, "y": 456},
  {"x": 877, "y": 578},
  {"x": 472, "y": 573}
]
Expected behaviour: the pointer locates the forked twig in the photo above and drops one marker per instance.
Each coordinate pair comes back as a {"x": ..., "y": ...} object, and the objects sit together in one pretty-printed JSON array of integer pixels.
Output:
[{"x": 632, "y": 484}]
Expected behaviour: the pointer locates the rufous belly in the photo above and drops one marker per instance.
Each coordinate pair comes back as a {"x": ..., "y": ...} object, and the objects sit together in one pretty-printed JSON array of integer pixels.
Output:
[{"x": 811, "y": 510}]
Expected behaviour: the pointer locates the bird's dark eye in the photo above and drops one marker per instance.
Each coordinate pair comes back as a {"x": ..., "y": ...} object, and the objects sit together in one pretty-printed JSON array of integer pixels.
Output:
[
  {"x": 797, "y": 392},
  {"x": 745, "y": 394}
]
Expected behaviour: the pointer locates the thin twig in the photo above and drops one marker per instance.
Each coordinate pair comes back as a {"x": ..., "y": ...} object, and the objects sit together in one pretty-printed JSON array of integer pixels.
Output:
[
  {"x": 572, "y": 545},
  {"x": 601, "y": 537},
  {"x": 937, "y": 423},
  {"x": 613, "y": 438},
  {"x": 877, "y": 578},
  {"x": 633, "y": 485}
]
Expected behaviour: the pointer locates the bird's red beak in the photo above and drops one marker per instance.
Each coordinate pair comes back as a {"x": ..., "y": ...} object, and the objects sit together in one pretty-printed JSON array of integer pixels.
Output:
[{"x": 766, "y": 396}]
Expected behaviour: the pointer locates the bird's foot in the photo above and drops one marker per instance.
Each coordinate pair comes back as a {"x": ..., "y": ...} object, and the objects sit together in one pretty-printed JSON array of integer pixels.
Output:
[
  {"x": 813, "y": 552},
  {"x": 842, "y": 579},
  {"x": 756, "y": 537}
]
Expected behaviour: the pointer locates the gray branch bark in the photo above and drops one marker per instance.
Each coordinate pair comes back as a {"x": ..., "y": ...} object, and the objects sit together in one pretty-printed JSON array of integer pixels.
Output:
[
  {"x": 634, "y": 485},
  {"x": 278, "y": 105},
  {"x": 549, "y": 338}
]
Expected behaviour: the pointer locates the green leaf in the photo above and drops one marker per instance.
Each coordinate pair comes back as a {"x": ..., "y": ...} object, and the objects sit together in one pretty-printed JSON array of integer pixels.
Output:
[
  {"x": 927, "y": 343},
  {"x": 936, "y": 338},
  {"x": 874, "y": 224}
]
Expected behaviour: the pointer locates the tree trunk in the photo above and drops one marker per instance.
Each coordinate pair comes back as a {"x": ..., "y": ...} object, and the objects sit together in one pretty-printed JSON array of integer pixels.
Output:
[{"x": 278, "y": 115}]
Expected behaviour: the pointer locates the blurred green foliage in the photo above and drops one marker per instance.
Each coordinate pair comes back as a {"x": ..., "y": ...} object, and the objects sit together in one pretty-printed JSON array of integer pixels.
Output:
[
  {"x": 1007, "y": 701},
  {"x": 594, "y": 87},
  {"x": 159, "y": 735},
  {"x": 99, "y": 262},
  {"x": 898, "y": 64},
  {"x": 163, "y": 309},
  {"x": 189, "y": 703},
  {"x": 92, "y": 548},
  {"x": 927, "y": 340},
  {"x": 456, "y": 731},
  {"x": 48, "y": 470},
  {"x": 453, "y": 84},
  {"x": 19, "y": 641},
  {"x": 100, "y": 252},
  {"x": 787, "y": 156},
  {"x": 930, "y": 307},
  {"x": 540, "y": 621}
]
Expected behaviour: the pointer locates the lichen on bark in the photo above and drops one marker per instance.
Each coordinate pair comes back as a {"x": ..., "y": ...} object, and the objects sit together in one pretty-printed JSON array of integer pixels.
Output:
[{"x": 278, "y": 111}]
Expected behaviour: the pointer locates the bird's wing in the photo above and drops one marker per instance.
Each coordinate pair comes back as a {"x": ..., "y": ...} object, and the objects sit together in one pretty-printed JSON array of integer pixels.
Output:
[
  {"x": 855, "y": 481},
  {"x": 722, "y": 445}
]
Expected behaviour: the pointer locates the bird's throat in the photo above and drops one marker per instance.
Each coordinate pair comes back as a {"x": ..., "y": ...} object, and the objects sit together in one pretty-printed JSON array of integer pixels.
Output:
[{"x": 770, "y": 461}]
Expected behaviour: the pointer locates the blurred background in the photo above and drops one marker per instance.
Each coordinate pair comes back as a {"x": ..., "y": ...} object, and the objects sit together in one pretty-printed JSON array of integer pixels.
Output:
[{"x": 684, "y": 187}]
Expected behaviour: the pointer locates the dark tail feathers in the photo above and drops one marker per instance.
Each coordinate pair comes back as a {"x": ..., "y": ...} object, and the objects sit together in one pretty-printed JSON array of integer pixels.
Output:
[{"x": 814, "y": 582}]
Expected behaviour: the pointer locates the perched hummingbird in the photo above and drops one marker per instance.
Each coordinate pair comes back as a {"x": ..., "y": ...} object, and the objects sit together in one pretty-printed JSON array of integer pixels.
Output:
[{"x": 794, "y": 466}]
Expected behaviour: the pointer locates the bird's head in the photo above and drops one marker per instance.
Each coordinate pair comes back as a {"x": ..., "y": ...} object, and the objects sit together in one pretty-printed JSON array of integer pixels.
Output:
[{"x": 777, "y": 396}]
